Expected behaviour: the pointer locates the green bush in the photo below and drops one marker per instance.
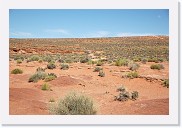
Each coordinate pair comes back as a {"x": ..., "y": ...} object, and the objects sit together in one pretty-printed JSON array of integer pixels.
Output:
[
  {"x": 19, "y": 61},
  {"x": 47, "y": 59},
  {"x": 90, "y": 62},
  {"x": 64, "y": 66},
  {"x": 40, "y": 60},
  {"x": 45, "y": 87},
  {"x": 51, "y": 65},
  {"x": 34, "y": 58},
  {"x": 68, "y": 60},
  {"x": 84, "y": 60},
  {"x": 16, "y": 71},
  {"x": 97, "y": 69},
  {"x": 132, "y": 75},
  {"x": 37, "y": 76},
  {"x": 99, "y": 63},
  {"x": 136, "y": 59},
  {"x": 166, "y": 83},
  {"x": 50, "y": 77},
  {"x": 74, "y": 104},
  {"x": 19, "y": 57},
  {"x": 101, "y": 74},
  {"x": 121, "y": 62},
  {"x": 157, "y": 66}
]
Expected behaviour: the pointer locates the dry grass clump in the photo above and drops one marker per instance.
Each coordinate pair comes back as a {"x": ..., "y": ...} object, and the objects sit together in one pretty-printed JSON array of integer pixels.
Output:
[{"x": 74, "y": 104}]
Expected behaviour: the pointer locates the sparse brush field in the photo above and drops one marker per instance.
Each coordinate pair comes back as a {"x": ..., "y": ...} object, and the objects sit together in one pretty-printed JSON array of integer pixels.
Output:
[{"x": 119, "y": 76}]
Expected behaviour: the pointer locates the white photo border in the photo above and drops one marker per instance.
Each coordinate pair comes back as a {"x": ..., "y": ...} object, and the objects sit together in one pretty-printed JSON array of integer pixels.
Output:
[{"x": 171, "y": 119}]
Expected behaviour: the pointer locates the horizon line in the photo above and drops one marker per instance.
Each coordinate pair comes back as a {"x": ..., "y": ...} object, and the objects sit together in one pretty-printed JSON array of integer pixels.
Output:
[{"x": 84, "y": 37}]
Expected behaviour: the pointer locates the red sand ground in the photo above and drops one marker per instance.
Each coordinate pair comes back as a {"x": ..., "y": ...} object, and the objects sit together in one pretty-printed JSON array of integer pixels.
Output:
[{"x": 28, "y": 98}]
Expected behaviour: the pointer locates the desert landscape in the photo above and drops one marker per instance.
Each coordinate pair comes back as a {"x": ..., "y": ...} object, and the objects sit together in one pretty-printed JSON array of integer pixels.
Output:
[{"x": 118, "y": 75}]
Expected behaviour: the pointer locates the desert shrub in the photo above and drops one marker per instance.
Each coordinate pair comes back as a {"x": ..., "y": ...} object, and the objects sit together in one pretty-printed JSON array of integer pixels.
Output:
[
  {"x": 134, "y": 66},
  {"x": 74, "y": 104},
  {"x": 19, "y": 61},
  {"x": 136, "y": 59},
  {"x": 101, "y": 74},
  {"x": 68, "y": 60},
  {"x": 121, "y": 62},
  {"x": 99, "y": 63},
  {"x": 34, "y": 58},
  {"x": 134, "y": 95},
  {"x": 61, "y": 61},
  {"x": 19, "y": 57},
  {"x": 132, "y": 75},
  {"x": 37, "y": 76},
  {"x": 97, "y": 69},
  {"x": 51, "y": 65},
  {"x": 40, "y": 61},
  {"x": 121, "y": 89},
  {"x": 161, "y": 59},
  {"x": 156, "y": 60},
  {"x": 124, "y": 95},
  {"x": 50, "y": 77},
  {"x": 157, "y": 66},
  {"x": 16, "y": 71},
  {"x": 144, "y": 60},
  {"x": 166, "y": 83},
  {"x": 51, "y": 100},
  {"x": 90, "y": 62},
  {"x": 64, "y": 66},
  {"x": 84, "y": 60},
  {"x": 52, "y": 74},
  {"x": 47, "y": 58},
  {"x": 45, "y": 87},
  {"x": 40, "y": 69}
]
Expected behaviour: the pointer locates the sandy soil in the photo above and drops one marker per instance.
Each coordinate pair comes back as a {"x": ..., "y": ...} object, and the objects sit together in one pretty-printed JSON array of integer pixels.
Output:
[{"x": 28, "y": 98}]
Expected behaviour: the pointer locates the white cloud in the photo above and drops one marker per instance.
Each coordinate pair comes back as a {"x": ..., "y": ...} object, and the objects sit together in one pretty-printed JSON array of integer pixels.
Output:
[
  {"x": 134, "y": 34},
  {"x": 21, "y": 34},
  {"x": 61, "y": 31}
]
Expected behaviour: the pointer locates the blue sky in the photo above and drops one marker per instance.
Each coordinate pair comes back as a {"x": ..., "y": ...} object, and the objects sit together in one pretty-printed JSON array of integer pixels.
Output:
[{"x": 59, "y": 23}]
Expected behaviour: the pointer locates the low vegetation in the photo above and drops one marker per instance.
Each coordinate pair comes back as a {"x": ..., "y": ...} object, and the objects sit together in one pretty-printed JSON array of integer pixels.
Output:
[
  {"x": 124, "y": 95},
  {"x": 134, "y": 66},
  {"x": 101, "y": 73},
  {"x": 157, "y": 66},
  {"x": 64, "y": 66},
  {"x": 99, "y": 63},
  {"x": 132, "y": 75},
  {"x": 16, "y": 71},
  {"x": 19, "y": 61},
  {"x": 97, "y": 69},
  {"x": 51, "y": 100},
  {"x": 37, "y": 76},
  {"x": 45, "y": 87},
  {"x": 50, "y": 77},
  {"x": 40, "y": 69},
  {"x": 34, "y": 58},
  {"x": 74, "y": 104},
  {"x": 166, "y": 83},
  {"x": 121, "y": 62},
  {"x": 51, "y": 65}
]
